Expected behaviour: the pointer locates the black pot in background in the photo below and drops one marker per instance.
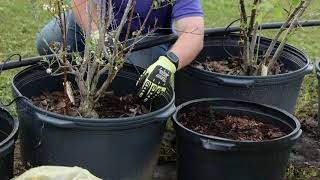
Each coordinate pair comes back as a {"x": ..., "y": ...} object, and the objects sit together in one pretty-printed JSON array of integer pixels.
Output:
[
  {"x": 209, "y": 157},
  {"x": 8, "y": 134},
  {"x": 318, "y": 77},
  {"x": 280, "y": 91},
  {"x": 119, "y": 148}
]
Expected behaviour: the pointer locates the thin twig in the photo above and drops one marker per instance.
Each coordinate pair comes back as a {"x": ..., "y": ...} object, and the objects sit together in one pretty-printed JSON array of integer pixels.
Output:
[
  {"x": 63, "y": 29},
  {"x": 253, "y": 16},
  {"x": 129, "y": 24},
  {"x": 244, "y": 46},
  {"x": 286, "y": 35},
  {"x": 281, "y": 30}
]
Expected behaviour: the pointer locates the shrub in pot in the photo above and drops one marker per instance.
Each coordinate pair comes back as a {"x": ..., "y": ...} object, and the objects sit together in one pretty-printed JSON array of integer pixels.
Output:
[
  {"x": 8, "y": 134},
  {"x": 83, "y": 111},
  {"x": 233, "y": 140},
  {"x": 246, "y": 66}
]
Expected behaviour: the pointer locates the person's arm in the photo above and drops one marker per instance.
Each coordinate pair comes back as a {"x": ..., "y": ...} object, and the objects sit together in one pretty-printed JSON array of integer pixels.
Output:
[
  {"x": 79, "y": 9},
  {"x": 160, "y": 75},
  {"x": 190, "y": 39}
]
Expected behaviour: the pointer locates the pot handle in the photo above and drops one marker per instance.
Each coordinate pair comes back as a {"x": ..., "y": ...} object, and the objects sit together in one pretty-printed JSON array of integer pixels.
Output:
[
  {"x": 6, "y": 146},
  {"x": 235, "y": 82},
  {"x": 166, "y": 114},
  {"x": 294, "y": 138},
  {"x": 54, "y": 121},
  {"x": 309, "y": 69},
  {"x": 216, "y": 145}
]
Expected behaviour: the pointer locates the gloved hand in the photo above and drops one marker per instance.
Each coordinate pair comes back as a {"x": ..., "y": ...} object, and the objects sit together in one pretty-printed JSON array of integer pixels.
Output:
[{"x": 156, "y": 79}]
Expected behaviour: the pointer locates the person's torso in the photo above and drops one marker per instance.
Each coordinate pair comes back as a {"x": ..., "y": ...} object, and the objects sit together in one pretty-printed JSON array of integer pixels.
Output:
[{"x": 159, "y": 18}]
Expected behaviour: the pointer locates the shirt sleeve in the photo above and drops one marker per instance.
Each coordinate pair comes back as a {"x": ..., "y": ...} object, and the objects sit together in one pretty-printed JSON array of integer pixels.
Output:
[{"x": 186, "y": 8}]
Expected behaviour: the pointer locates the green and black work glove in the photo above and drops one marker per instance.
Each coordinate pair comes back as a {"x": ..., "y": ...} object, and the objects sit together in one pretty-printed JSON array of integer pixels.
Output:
[{"x": 156, "y": 79}]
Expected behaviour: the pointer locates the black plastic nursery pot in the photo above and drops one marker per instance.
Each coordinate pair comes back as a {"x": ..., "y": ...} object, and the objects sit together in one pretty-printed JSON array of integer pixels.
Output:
[
  {"x": 119, "y": 148},
  {"x": 210, "y": 157},
  {"x": 318, "y": 77},
  {"x": 8, "y": 134},
  {"x": 280, "y": 90}
]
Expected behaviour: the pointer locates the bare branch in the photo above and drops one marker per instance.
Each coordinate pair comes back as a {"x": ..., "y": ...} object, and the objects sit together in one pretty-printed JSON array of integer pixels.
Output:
[
  {"x": 286, "y": 36},
  {"x": 253, "y": 16},
  {"x": 123, "y": 19},
  {"x": 281, "y": 30},
  {"x": 243, "y": 11},
  {"x": 110, "y": 13},
  {"x": 244, "y": 39},
  {"x": 141, "y": 29},
  {"x": 86, "y": 58},
  {"x": 92, "y": 70},
  {"x": 129, "y": 24},
  {"x": 253, "y": 43}
]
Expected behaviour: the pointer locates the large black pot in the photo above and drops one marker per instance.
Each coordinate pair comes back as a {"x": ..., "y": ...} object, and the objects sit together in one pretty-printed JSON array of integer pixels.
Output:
[
  {"x": 8, "y": 135},
  {"x": 280, "y": 91},
  {"x": 318, "y": 77},
  {"x": 210, "y": 157},
  {"x": 120, "y": 148}
]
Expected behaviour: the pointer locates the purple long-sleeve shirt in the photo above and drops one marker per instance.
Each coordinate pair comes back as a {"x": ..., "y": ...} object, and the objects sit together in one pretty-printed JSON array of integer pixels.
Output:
[{"x": 159, "y": 18}]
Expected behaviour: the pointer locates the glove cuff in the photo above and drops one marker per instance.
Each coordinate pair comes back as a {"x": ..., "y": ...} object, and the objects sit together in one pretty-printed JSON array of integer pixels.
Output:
[{"x": 164, "y": 61}]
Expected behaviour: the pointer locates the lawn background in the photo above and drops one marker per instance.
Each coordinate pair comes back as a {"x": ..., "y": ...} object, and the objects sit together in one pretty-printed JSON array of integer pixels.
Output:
[{"x": 18, "y": 33}]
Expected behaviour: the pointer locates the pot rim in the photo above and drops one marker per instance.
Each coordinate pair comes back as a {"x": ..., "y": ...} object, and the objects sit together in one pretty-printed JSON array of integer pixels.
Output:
[
  {"x": 298, "y": 71},
  {"x": 14, "y": 131},
  {"x": 292, "y": 133},
  {"x": 317, "y": 63}
]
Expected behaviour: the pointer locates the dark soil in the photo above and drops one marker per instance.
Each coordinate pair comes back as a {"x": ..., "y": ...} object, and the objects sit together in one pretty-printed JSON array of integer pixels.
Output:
[
  {"x": 110, "y": 106},
  {"x": 18, "y": 165},
  {"x": 231, "y": 66},
  {"x": 207, "y": 121}
]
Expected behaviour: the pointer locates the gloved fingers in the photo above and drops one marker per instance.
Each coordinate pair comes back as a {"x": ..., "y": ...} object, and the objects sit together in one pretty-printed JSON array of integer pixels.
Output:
[
  {"x": 144, "y": 89},
  {"x": 172, "y": 81},
  {"x": 158, "y": 93},
  {"x": 141, "y": 79},
  {"x": 151, "y": 92}
]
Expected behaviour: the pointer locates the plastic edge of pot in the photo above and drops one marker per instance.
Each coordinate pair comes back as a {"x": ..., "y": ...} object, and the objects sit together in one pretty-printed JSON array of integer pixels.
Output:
[
  {"x": 14, "y": 133},
  {"x": 317, "y": 65}
]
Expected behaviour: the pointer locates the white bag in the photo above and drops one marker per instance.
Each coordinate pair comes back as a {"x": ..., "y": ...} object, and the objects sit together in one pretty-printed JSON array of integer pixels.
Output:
[{"x": 56, "y": 173}]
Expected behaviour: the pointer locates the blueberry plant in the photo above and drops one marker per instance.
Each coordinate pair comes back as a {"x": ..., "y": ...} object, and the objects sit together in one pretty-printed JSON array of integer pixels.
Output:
[
  {"x": 104, "y": 53},
  {"x": 254, "y": 63}
]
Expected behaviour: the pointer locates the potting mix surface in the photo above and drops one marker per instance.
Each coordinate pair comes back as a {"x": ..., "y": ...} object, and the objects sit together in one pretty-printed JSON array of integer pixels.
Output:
[
  {"x": 207, "y": 121},
  {"x": 109, "y": 106},
  {"x": 231, "y": 66}
]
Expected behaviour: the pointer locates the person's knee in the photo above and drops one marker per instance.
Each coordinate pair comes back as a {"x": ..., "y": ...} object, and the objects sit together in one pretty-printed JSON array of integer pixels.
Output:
[
  {"x": 48, "y": 37},
  {"x": 41, "y": 45}
]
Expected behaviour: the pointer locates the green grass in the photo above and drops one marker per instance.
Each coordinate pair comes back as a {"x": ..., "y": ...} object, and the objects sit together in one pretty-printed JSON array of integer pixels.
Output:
[
  {"x": 18, "y": 32},
  {"x": 294, "y": 173},
  {"x": 17, "y": 35}
]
